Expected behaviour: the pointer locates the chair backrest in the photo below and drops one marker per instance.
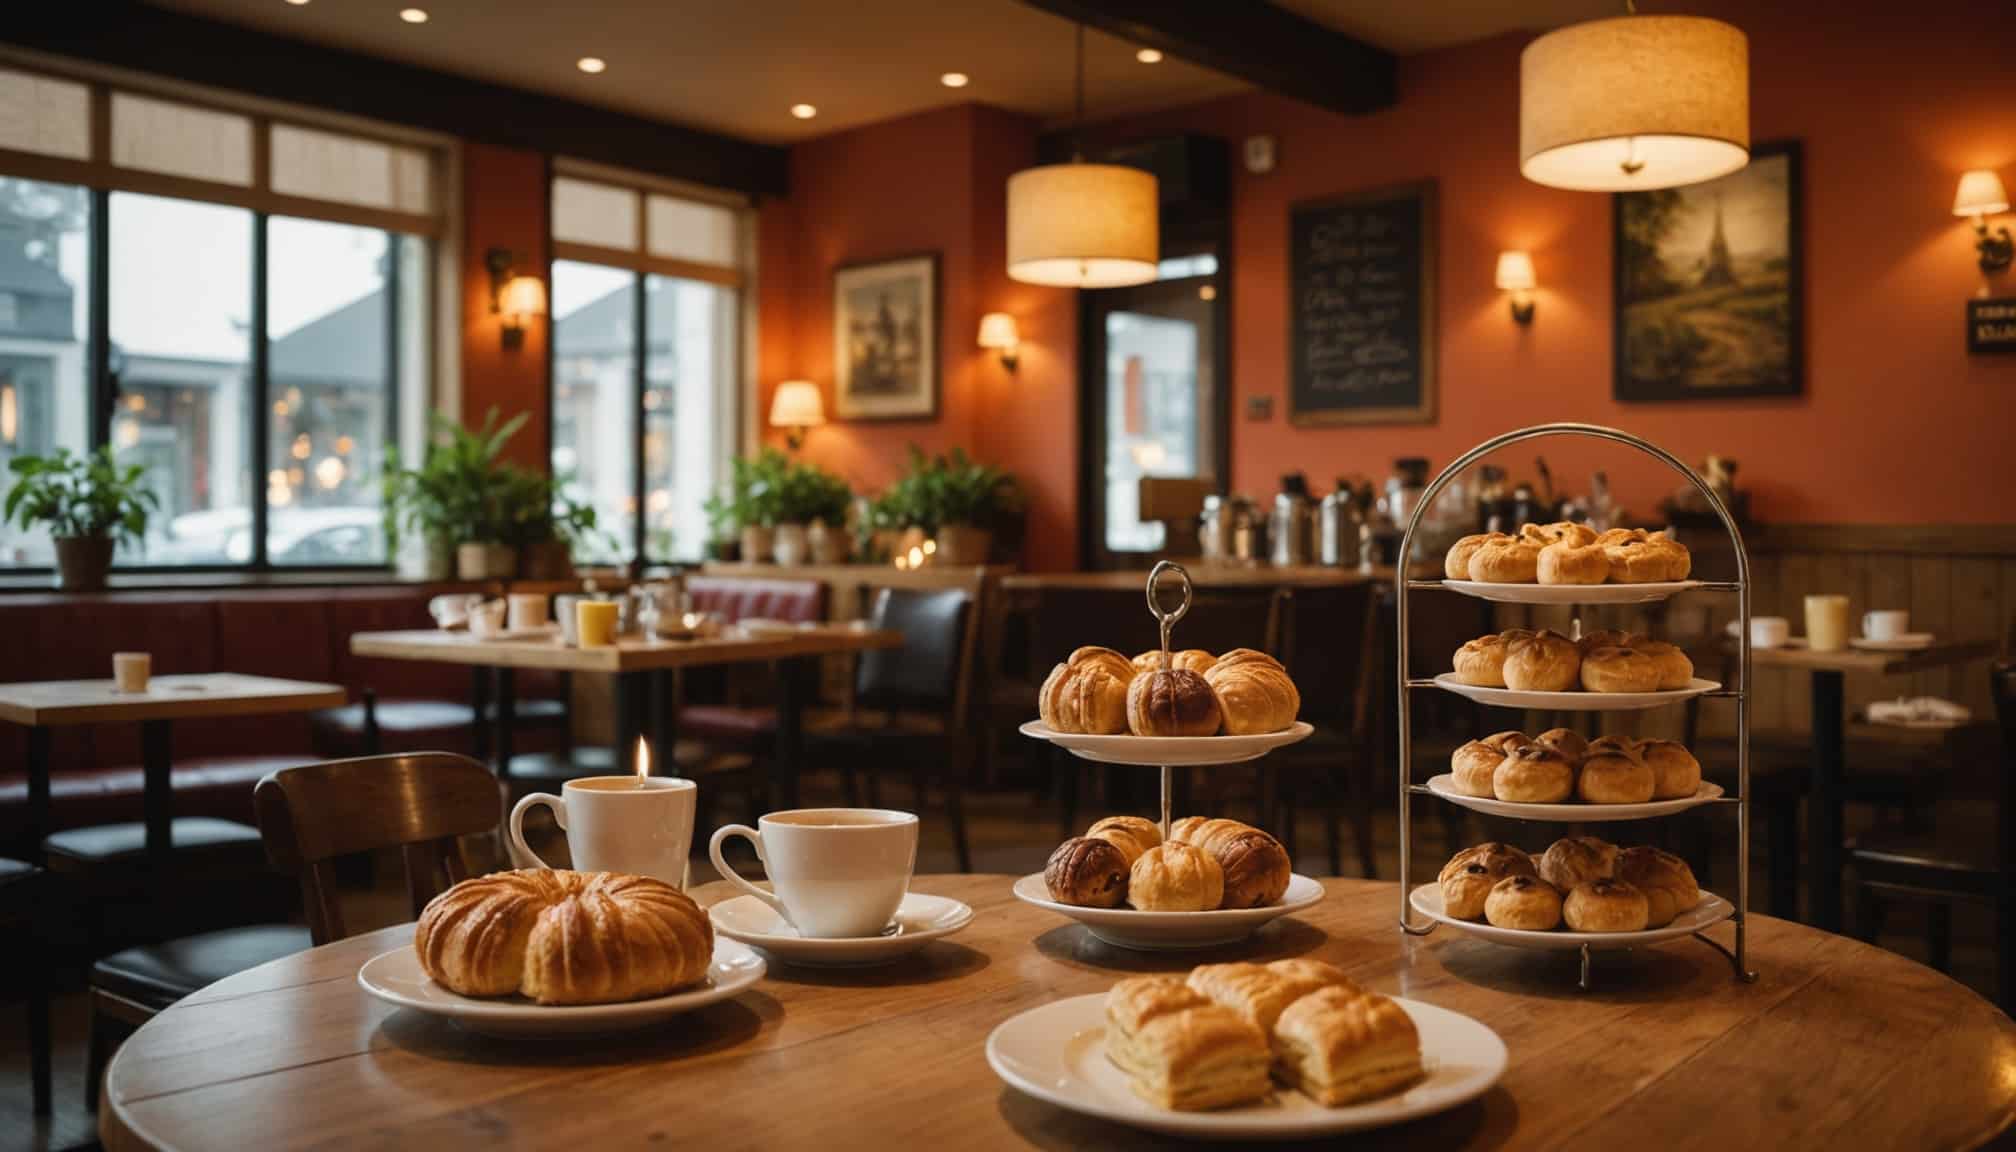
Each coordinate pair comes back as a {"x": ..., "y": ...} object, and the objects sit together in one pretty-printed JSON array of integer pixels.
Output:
[
  {"x": 419, "y": 802},
  {"x": 2002, "y": 684},
  {"x": 736, "y": 598},
  {"x": 925, "y": 673},
  {"x": 1326, "y": 642},
  {"x": 1064, "y": 619}
]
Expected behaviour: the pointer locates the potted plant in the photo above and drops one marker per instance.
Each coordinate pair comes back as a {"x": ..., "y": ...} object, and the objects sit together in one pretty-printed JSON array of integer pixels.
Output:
[
  {"x": 751, "y": 501},
  {"x": 809, "y": 500},
  {"x": 461, "y": 495},
  {"x": 417, "y": 501},
  {"x": 89, "y": 504},
  {"x": 958, "y": 502},
  {"x": 547, "y": 524}
]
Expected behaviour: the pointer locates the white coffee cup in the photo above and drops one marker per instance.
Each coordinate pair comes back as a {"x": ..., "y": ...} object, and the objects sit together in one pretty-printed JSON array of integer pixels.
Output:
[
  {"x": 563, "y": 611},
  {"x": 487, "y": 618},
  {"x": 1827, "y": 622},
  {"x": 1886, "y": 624},
  {"x": 451, "y": 610},
  {"x": 641, "y": 825},
  {"x": 1769, "y": 631},
  {"x": 527, "y": 611},
  {"x": 130, "y": 671},
  {"x": 837, "y": 873}
]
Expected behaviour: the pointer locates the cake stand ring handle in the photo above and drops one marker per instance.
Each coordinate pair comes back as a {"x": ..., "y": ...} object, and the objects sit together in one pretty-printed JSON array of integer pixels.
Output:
[{"x": 1167, "y": 620}]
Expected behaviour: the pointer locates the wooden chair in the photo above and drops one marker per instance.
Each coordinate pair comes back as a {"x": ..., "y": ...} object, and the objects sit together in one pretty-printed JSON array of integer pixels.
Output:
[
  {"x": 1329, "y": 644},
  {"x": 24, "y": 913}
]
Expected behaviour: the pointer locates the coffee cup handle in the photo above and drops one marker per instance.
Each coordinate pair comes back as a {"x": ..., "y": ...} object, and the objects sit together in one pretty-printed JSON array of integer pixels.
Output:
[
  {"x": 522, "y": 855},
  {"x": 755, "y": 839}
]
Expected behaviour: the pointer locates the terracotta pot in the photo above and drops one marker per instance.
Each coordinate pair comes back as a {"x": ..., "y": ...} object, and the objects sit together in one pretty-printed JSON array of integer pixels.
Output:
[
  {"x": 829, "y": 545},
  {"x": 82, "y": 562},
  {"x": 963, "y": 544},
  {"x": 790, "y": 546},
  {"x": 756, "y": 544},
  {"x": 546, "y": 560},
  {"x": 476, "y": 560}
]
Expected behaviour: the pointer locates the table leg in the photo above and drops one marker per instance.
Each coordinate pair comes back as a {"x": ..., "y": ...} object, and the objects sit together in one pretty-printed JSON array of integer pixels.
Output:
[
  {"x": 664, "y": 723},
  {"x": 38, "y": 792},
  {"x": 1823, "y": 801},
  {"x": 158, "y": 799},
  {"x": 630, "y": 709},
  {"x": 479, "y": 703},
  {"x": 507, "y": 719},
  {"x": 794, "y": 688}
]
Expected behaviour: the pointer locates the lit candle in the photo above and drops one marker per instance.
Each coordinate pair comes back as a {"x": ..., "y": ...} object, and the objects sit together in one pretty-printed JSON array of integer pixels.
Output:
[
  {"x": 916, "y": 557},
  {"x": 643, "y": 761}
]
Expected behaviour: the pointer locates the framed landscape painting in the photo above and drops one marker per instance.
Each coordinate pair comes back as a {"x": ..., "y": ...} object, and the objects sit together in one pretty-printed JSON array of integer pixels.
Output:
[
  {"x": 885, "y": 339},
  {"x": 1710, "y": 289}
]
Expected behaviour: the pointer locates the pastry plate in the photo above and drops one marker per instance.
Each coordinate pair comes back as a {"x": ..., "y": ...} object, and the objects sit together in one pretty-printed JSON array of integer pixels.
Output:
[
  {"x": 1445, "y": 787},
  {"x": 1057, "y": 1053},
  {"x": 1571, "y": 593},
  {"x": 1908, "y": 642},
  {"x": 1170, "y": 751},
  {"x": 395, "y": 977},
  {"x": 1172, "y": 931},
  {"x": 1713, "y": 909},
  {"x": 920, "y": 919},
  {"x": 1574, "y": 701}
]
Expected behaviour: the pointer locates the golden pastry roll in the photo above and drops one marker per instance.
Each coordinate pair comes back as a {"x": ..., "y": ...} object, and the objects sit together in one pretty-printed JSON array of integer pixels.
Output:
[
  {"x": 1196, "y": 1059},
  {"x": 1260, "y": 992},
  {"x": 1338, "y": 1046}
]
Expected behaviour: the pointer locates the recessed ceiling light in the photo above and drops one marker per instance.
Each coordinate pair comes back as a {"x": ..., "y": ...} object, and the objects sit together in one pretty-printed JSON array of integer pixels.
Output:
[
  {"x": 297, "y": 3},
  {"x": 1148, "y": 56},
  {"x": 590, "y": 64},
  {"x": 804, "y": 111},
  {"x": 413, "y": 15},
  {"x": 954, "y": 79}
]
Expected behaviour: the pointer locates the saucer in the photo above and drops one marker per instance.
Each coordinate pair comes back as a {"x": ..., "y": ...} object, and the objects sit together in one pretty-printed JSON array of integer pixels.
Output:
[
  {"x": 920, "y": 919},
  {"x": 1905, "y": 642}
]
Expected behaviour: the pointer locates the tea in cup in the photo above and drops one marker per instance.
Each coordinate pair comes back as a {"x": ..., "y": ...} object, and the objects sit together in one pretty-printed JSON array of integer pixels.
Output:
[
  {"x": 527, "y": 611},
  {"x": 835, "y": 873}
]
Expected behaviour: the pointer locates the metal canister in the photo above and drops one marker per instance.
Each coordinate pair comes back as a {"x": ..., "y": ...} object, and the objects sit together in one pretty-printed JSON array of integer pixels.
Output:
[{"x": 1291, "y": 529}]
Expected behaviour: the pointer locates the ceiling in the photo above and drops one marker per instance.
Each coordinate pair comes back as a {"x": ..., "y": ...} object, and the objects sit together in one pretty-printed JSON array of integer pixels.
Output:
[{"x": 737, "y": 66}]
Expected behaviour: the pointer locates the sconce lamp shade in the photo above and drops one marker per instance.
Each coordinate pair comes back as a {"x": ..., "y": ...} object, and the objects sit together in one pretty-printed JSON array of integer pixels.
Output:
[
  {"x": 997, "y": 330},
  {"x": 1083, "y": 226},
  {"x": 1634, "y": 103},
  {"x": 522, "y": 296},
  {"x": 1980, "y": 194},
  {"x": 1515, "y": 272},
  {"x": 797, "y": 404}
]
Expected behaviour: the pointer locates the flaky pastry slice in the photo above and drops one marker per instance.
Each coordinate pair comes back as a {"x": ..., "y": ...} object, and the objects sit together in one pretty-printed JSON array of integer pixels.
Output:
[{"x": 1338, "y": 1046}]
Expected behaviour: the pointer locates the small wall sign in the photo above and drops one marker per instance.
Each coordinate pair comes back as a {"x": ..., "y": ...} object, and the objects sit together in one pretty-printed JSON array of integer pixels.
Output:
[{"x": 1991, "y": 326}]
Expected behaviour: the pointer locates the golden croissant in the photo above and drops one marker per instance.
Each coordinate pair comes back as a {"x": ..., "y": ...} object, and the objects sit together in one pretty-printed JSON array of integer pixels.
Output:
[
  {"x": 1255, "y": 866},
  {"x": 1087, "y": 693},
  {"x": 1254, "y": 692}
]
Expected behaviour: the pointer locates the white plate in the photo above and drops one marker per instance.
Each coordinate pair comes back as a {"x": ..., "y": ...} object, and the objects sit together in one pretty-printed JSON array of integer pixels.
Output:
[
  {"x": 1571, "y": 593},
  {"x": 395, "y": 977},
  {"x": 1908, "y": 642},
  {"x": 1713, "y": 909},
  {"x": 1172, "y": 931},
  {"x": 1057, "y": 1053},
  {"x": 1574, "y": 701},
  {"x": 1171, "y": 751},
  {"x": 1445, "y": 787},
  {"x": 920, "y": 919}
]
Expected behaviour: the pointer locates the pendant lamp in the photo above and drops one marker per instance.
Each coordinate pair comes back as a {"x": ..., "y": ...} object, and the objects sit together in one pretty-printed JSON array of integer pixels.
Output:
[
  {"x": 1634, "y": 103},
  {"x": 1082, "y": 225}
]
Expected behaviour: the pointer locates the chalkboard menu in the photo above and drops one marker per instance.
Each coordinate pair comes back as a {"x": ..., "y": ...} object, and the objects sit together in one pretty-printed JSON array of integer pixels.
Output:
[{"x": 1361, "y": 328}]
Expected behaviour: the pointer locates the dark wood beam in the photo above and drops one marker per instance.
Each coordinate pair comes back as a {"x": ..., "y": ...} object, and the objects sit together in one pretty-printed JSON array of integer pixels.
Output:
[
  {"x": 147, "y": 39},
  {"x": 1263, "y": 45}
]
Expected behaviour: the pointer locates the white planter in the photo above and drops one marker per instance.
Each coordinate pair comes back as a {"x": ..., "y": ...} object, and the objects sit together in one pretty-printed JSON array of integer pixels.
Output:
[
  {"x": 756, "y": 540},
  {"x": 829, "y": 545},
  {"x": 791, "y": 546}
]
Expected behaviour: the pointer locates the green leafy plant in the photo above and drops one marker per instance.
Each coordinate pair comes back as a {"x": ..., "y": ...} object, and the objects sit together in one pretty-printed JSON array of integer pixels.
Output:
[
  {"x": 753, "y": 497},
  {"x": 539, "y": 508},
  {"x": 805, "y": 493},
  {"x": 80, "y": 496},
  {"x": 949, "y": 489},
  {"x": 461, "y": 491}
]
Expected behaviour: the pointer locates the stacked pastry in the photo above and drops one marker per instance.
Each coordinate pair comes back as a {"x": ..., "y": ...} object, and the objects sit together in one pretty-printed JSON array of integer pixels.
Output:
[
  {"x": 1581, "y": 881},
  {"x": 1559, "y": 766},
  {"x": 1098, "y": 691},
  {"x": 1567, "y": 553},
  {"x": 1205, "y": 865},
  {"x": 1546, "y": 661},
  {"x": 1212, "y": 1039}
]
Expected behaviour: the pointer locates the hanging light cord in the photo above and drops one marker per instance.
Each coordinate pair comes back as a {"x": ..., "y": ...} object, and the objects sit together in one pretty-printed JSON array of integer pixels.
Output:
[{"x": 1078, "y": 105}]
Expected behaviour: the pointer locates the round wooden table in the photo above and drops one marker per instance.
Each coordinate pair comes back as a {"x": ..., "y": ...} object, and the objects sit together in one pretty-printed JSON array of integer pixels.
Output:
[{"x": 1836, "y": 1044}]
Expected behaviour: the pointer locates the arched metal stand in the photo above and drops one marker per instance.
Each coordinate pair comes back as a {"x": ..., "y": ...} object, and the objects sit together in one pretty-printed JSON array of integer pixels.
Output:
[{"x": 1740, "y": 692}]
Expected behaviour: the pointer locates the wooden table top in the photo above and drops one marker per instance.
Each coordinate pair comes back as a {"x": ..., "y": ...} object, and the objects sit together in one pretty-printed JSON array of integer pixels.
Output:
[
  {"x": 1836, "y": 1044},
  {"x": 1937, "y": 655},
  {"x": 630, "y": 654},
  {"x": 51, "y": 703}
]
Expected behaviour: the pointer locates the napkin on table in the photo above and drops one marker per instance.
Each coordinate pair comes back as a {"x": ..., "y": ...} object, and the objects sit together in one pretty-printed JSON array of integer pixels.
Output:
[{"x": 1917, "y": 710}]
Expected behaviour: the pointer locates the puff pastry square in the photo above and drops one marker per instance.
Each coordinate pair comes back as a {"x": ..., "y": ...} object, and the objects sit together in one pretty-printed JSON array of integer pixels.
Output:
[
  {"x": 1196, "y": 1059},
  {"x": 1338, "y": 1046},
  {"x": 1260, "y": 992}
]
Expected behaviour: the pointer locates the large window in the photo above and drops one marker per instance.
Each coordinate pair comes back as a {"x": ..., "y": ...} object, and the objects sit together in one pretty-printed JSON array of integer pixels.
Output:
[
  {"x": 264, "y": 323},
  {"x": 646, "y": 333}
]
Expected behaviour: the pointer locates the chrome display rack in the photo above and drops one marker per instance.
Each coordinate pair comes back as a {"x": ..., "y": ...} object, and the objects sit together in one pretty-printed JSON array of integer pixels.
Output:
[{"x": 1403, "y": 586}]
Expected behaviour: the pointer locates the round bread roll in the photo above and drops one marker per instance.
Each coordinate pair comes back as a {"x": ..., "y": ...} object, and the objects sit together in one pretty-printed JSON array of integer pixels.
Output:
[
  {"x": 1679, "y": 562},
  {"x": 1254, "y": 865},
  {"x": 1613, "y": 745},
  {"x": 1605, "y": 906},
  {"x": 1675, "y": 669},
  {"x": 1456, "y": 565},
  {"x": 1566, "y": 741},
  {"x": 1172, "y": 703},
  {"x": 1175, "y": 878},
  {"x": 1615, "y": 670},
  {"x": 1526, "y": 903},
  {"x": 1087, "y": 872},
  {"x": 1130, "y": 834},
  {"x": 1676, "y": 774},
  {"x": 1665, "y": 879},
  {"x": 1473, "y": 764},
  {"x": 1613, "y": 777},
  {"x": 1481, "y": 662},
  {"x": 1636, "y": 560},
  {"x": 1498, "y": 860},
  {"x": 1606, "y": 638},
  {"x": 1534, "y": 774},
  {"x": 1561, "y": 531},
  {"x": 1507, "y": 561},
  {"x": 1565, "y": 563},
  {"x": 1574, "y": 860},
  {"x": 1464, "y": 893},
  {"x": 1255, "y": 693},
  {"x": 1188, "y": 660},
  {"x": 1544, "y": 662},
  {"x": 1087, "y": 693}
]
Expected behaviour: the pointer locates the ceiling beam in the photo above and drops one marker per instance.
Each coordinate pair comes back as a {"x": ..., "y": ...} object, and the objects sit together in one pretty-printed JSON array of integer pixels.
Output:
[
  {"x": 126, "y": 34},
  {"x": 1266, "y": 46}
]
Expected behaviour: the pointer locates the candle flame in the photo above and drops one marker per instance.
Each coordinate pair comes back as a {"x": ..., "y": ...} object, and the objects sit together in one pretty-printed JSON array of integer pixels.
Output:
[
  {"x": 643, "y": 760},
  {"x": 916, "y": 557}
]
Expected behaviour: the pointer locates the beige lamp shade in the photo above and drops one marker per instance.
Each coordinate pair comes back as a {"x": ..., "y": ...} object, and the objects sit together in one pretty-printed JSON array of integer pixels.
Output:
[
  {"x": 1634, "y": 103},
  {"x": 1980, "y": 194},
  {"x": 1515, "y": 272},
  {"x": 522, "y": 296},
  {"x": 1083, "y": 226},
  {"x": 797, "y": 404},
  {"x": 997, "y": 330}
]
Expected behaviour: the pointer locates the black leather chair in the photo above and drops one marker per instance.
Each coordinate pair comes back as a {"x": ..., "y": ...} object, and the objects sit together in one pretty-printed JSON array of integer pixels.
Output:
[{"x": 24, "y": 915}]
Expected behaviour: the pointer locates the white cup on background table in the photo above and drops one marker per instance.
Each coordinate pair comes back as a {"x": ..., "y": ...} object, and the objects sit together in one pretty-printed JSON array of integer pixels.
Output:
[{"x": 1886, "y": 624}]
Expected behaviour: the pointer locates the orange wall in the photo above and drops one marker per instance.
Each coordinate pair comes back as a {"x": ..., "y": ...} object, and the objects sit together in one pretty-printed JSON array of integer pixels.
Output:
[{"x": 503, "y": 206}]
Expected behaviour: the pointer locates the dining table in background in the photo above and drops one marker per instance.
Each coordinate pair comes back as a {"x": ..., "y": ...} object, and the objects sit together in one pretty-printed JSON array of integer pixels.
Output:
[
  {"x": 1824, "y": 797},
  {"x": 642, "y": 670},
  {"x": 42, "y": 705},
  {"x": 1836, "y": 1044}
]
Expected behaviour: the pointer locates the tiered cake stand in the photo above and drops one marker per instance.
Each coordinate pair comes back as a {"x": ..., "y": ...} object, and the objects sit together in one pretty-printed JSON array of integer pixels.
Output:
[{"x": 1426, "y": 900}]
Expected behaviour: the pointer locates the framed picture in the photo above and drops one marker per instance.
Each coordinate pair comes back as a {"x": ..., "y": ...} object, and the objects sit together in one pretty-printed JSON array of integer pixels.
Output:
[
  {"x": 1710, "y": 294},
  {"x": 1361, "y": 320},
  {"x": 885, "y": 339}
]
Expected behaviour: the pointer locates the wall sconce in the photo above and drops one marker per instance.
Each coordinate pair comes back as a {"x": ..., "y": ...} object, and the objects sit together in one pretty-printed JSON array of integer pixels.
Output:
[
  {"x": 1981, "y": 195},
  {"x": 797, "y": 407},
  {"x": 1515, "y": 275},
  {"x": 514, "y": 296},
  {"x": 997, "y": 331}
]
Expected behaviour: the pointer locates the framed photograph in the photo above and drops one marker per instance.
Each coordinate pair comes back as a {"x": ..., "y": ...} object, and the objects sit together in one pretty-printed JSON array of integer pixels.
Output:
[
  {"x": 1710, "y": 294},
  {"x": 885, "y": 339}
]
